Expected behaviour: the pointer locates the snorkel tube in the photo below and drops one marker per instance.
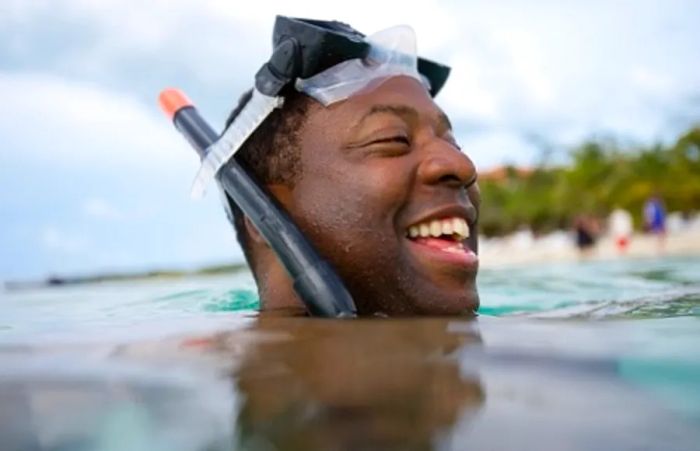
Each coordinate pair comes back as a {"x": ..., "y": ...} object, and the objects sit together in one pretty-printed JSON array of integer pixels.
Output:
[
  {"x": 328, "y": 61},
  {"x": 317, "y": 284}
]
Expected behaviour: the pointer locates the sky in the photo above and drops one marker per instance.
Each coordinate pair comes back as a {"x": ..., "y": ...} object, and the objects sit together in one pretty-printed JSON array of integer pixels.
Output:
[{"x": 95, "y": 179}]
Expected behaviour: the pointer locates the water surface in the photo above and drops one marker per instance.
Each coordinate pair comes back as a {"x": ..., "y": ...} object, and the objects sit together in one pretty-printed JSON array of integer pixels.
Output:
[{"x": 582, "y": 356}]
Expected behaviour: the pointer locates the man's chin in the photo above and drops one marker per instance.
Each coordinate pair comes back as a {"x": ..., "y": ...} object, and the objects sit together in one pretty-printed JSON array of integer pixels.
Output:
[
  {"x": 445, "y": 293},
  {"x": 434, "y": 301},
  {"x": 413, "y": 286},
  {"x": 443, "y": 281},
  {"x": 465, "y": 303},
  {"x": 428, "y": 301}
]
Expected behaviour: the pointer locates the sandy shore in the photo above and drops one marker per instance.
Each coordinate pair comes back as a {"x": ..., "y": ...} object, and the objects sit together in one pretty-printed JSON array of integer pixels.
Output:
[{"x": 522, "y": 248}]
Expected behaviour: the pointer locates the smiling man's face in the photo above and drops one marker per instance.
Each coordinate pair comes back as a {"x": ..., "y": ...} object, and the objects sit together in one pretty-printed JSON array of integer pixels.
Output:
[{"x": 390, "y": 201}]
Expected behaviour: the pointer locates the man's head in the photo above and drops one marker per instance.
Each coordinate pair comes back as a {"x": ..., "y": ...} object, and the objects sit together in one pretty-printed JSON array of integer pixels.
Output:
[{"x": 360, "y": 177}]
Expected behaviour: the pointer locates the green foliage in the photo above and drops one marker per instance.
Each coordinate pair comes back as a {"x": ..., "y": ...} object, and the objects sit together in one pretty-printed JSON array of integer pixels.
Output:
[{"x": 601, "y": 177}]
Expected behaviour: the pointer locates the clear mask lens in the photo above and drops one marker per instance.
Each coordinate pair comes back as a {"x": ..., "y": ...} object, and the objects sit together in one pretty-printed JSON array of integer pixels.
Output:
[{"x": 392, "y": 53}]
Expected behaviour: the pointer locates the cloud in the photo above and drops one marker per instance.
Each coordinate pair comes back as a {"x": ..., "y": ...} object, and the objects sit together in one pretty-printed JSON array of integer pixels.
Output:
[
  {"x": 101, "y": 209},
  {"x": 109, "y": 175},
  {"x": 547, "y": 66},
  {"x": 569, "y": 70},
  {"x": 67, "y": 123},
  {"x": 58, "y": 241}
]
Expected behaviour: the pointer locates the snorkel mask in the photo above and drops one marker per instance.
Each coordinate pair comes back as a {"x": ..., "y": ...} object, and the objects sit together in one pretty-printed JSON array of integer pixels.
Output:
[{"x": 328, "y": 61}]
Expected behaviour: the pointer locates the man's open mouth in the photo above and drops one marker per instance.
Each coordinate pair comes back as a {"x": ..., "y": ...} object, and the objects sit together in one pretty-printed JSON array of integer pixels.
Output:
[{"x": 447, "y": 235}]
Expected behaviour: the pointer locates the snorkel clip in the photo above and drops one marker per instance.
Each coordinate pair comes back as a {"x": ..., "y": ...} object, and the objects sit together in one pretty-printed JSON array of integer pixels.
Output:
[{"x": 281, "y": 70}]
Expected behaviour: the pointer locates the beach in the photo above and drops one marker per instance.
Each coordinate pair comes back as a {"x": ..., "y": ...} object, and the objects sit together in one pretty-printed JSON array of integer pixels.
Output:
[{"x": 523, "y": 247}]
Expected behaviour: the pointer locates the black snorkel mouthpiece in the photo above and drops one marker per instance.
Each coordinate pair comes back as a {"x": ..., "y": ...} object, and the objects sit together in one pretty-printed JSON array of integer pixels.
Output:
[
  {"x": 329, "y": 61},
  {"x": 315, "y": 281}
]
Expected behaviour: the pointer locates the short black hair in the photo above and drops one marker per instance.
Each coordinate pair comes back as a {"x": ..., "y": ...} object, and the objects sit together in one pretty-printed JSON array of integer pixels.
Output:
[{"x": 271, "y": 154}]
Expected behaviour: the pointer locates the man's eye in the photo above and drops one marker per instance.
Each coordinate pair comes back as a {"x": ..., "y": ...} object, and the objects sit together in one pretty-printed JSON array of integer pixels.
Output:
[
  {"x": 392, "y": 146},
  {"x": 393, "y": 139}
]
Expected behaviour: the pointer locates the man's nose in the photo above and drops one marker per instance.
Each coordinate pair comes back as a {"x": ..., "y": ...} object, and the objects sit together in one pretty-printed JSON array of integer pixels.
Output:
[{"x": 443, "y": 163}]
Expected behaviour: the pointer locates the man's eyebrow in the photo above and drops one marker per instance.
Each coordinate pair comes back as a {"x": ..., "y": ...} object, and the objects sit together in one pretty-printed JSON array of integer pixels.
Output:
[
  {"x": 404, "y": 111},
  {"x": 398, "y": 110}
]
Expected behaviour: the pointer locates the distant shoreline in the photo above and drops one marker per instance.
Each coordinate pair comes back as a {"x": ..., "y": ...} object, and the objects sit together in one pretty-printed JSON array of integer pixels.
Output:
[
  {"x": 523, "y": 248},
  {"x": 59, "y": 280},
  {"x": 517, "y": 249}
]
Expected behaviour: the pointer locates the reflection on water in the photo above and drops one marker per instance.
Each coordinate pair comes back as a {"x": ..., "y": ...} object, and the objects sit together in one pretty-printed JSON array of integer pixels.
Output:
[
  {"x": 69, "y": 403},
  {"x": 279, "y": 383},
  {"x": 366, "y": 385}
]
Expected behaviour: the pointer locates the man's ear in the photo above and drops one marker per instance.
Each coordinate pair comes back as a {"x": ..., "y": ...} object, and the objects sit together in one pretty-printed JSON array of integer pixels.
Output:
[{"x": 283, "y": 194}]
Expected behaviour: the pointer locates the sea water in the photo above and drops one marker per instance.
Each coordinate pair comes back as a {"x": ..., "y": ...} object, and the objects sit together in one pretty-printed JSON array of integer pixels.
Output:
[{"x": 579, "y": 356}]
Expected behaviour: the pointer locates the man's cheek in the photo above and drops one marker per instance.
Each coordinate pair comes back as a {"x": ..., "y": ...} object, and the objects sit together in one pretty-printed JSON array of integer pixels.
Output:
[
  {"x": 349, "y": 198},
  {"x": 320, "y": 208},
  {"x": 387, "y": 177},
  {"x": 339, "y": 213}
]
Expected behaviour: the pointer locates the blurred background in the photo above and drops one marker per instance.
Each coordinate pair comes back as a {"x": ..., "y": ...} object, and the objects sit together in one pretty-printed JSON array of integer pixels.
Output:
[{"x": 571, "y": 110}]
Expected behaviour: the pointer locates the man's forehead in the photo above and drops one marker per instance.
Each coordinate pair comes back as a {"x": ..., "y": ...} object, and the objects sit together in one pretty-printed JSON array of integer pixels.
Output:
[{"x": 401, "y": 96}]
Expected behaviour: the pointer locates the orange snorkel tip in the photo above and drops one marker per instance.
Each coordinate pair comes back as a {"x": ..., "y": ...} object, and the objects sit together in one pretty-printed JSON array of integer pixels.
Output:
[{"x": 172, "y": 100}]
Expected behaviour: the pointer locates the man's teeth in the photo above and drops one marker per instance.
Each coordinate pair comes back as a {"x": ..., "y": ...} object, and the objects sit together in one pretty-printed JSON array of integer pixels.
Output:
[
  {"x": 422, "y": 230},
  {"x": 456, "y": 227},
  {"x": 436, "y": 228}
]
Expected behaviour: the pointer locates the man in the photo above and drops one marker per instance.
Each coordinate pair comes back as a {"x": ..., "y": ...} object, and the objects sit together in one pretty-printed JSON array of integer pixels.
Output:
[
  {"x": 379, "y": 186},
  {"x": 621, "y": 228},
  {"x": 655, "y": 219}
]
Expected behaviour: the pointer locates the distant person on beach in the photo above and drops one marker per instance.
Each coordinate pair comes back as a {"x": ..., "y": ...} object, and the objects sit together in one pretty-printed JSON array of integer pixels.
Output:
[
  {"x": 585, "y": 228},
  {"x": 655, "y": 219},
  {"x": 620, "y": 227}
]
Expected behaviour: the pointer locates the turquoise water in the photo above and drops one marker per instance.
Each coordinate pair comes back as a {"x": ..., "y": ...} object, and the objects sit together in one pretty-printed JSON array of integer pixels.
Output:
[{"x": 596, "y": 355}]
